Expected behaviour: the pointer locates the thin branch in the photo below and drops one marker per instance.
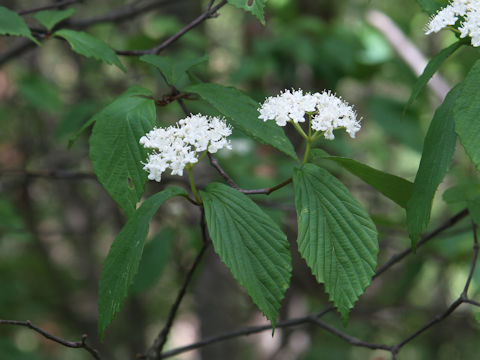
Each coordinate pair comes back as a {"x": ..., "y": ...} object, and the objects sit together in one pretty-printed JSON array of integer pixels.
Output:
[
  {"x": 474, "y": 262},
  {"x": 398, "y": 257},
  {"x": 54, "y": 174},
  {"x": 71, "y": 344},
  {"x": 314, "y": 317},
  {"x": 56, "y": 5},
  {"x": 266, "y": 191},
  {"x": 125, "y": 13},
  {"x": 207, "y": 14},
  {"x": 350, "y": 339},
  {"x": 155, "y": 350}
]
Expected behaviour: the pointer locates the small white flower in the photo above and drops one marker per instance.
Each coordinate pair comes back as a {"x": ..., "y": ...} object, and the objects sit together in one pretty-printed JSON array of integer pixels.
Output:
[
  {"x": 178, "y": 146},
  {"x": 467, "y": 11},
  {"x": 328, "y": 111}
]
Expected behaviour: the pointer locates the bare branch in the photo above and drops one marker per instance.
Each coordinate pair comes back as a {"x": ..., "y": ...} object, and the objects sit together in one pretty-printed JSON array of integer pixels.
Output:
[
  {"x": 207, "y": 14},
  {"x": 54, "y": 174},
  {"x": 71, "y": 344},
  {"x": 56, "y": 5},
  {"x": 155, "y": 350}
]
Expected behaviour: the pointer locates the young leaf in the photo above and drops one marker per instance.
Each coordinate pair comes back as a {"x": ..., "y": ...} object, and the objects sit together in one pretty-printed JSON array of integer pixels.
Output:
[
  {"x": 250, "y": 244},
  {"x": 50, "y": 18},
  {"x": 114, "y": 149},
  {"x": 336, "y": 237},
  {"x": 467, "y": 114},
  {"x": 173, "y": 69},
  {"x": 241, "y": 111},
  {"x": 432, "y": 66},
  {"x": 12, "y": 24},
  {"x": 393, "y": 187},
  {"x": 89, "y": 46},
  {"x": 121, "y": 264},
  {"x": 256, "y": 7},
  {"x": 437, "y": 154},
  {"x": 154, "y": 259}
]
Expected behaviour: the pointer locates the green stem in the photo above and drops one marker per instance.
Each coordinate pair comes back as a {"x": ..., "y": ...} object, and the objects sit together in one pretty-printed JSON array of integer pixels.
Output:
[
  {"x": 299, "y": 129},
  {"x": 307, "y": 150},
  {"x": 192, "y": 185}
]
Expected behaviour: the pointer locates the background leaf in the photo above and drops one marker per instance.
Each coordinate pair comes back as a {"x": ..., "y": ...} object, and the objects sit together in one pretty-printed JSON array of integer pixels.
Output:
[
  {"x": 432, "y": 66},
  {"x": 173, "y": 69},
  {"x": 467, "y": 114},
  {"x": 437, "y": 154},
  {"x": 121, "y": 264},
  {"x": 336, "y": 236},
  {"x": 395, "y": 188},
  {"x": 154, "y": 259},
  {"x": 241, "y": 111},
  {"x": 250, "y": 244},
  {"x": 50, "y": 18},
  {"x": 89, "y": 46},
  {"x": 114, "y": 148},
  {"x": 12, "y": 24},
  {"x": 432, "y": 6},
  {"x": 256, "y": 7}
]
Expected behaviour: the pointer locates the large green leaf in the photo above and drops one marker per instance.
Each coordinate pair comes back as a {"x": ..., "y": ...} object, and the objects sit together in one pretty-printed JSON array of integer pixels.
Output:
[
  {"x": 241, "y": 111},
  {"x": 50, "y": 18},
  {"x": 12, "y": 24},
  {"x": 154, "y": 259},
  {"x": 250, "y": 244},
  {"x": 254, "y": 6},
  {"x": 432, "y": 66},
  {"x": 89, "y": 46},
  {"x": 336, "y": 237},
  {"x": 114, "y": 148},
  {"x": 467, "y": 114},
  {"x": 395, "y": 188},
  {"x": 173, "y": 69},
  {"x": 437, "y": 154},
  {"x": 121, "y": 264}
]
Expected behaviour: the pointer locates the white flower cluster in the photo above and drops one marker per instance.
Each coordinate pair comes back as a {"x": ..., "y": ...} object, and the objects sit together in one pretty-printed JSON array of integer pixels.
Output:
[
  {"x": 328, "y": 111},
  {"x": 177, "y": 146},
  {"x": 468, "y": 11}
]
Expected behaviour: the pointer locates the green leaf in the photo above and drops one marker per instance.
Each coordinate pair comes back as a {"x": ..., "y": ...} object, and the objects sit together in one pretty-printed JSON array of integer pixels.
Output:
[
  {"x": 432, "y": 66},
  {"x": 89, "y": 46},
  {"x": 461, "y": 193},
  {"x": 12, "y": 24},
  {"x": 114, "y": 148},
  {"x": 50, "y": 18},
  {"x": 121, "y": 264},
  {"x": 154, "y": 259},
  {"x": 474, "y": 210},
  {"x": 467, "y": 114},
  {"x": 256, "y": 7},
  {"x": 173, "y": 69},
  {"x": 438, "y": 150},
  {"x": 76, "y": 117},
  {"x": 336, "y": 236},
  {"x": 40, "y": 93},
  {"x": 477, "y": 317},
  {"x": 395, "y": 188},
  {"x": 241, "y": 111},
  {"x": 250, "y": 244},
  {"x": 432, "y": 6}
]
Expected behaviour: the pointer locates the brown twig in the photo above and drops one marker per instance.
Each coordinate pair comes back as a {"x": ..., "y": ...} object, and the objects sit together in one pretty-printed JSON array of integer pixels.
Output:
[
  {"x": 155, "y": 350},
  {"x": 207, "y": 14},
  {"x": 266, "y": 191},
  {"x": 53, "y": 174},
  {"x": 56, "y": 5},
  {"x": 314, "y": 318},
  {"x": 71, "y": 344}
]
